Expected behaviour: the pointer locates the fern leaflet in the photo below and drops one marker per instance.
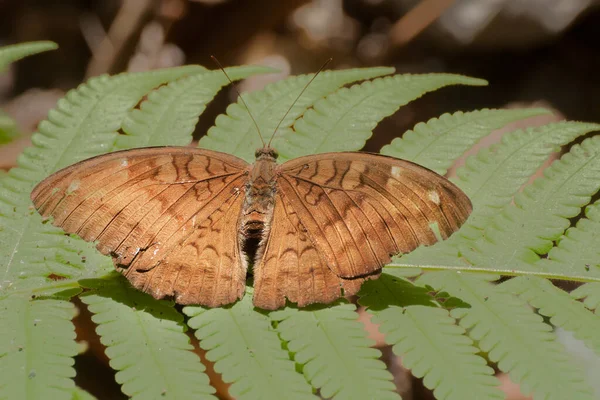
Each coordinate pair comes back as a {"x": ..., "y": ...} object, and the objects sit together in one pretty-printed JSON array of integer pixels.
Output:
[
  {"x": 557, "y": 304},
  {"x": 540, "y": 214},
  {"x": 332, "y": 346},
  {"x": 344, "y": 120},
  {"x": 435, "y": 144},
  {"x": 247, "y": 352},
  {"x": 146, "y": 343},
  {"x": 513, "y": 336},
  {"x": 37, "y": 343}
]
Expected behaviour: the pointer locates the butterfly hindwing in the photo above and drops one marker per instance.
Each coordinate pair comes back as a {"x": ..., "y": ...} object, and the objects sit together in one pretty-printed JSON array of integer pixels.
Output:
[
  {"x": 359, "y": 209},
  {"x": 291, "y": 266},
  {"x": 168, "y": 216}
]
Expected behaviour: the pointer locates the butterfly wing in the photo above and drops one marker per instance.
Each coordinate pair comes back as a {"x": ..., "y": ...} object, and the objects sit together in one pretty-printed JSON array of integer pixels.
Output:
[
  {"x": 350, "y": 212},
  {"x": 168, "y": 216},
  {"x": 291, "y": 266}
]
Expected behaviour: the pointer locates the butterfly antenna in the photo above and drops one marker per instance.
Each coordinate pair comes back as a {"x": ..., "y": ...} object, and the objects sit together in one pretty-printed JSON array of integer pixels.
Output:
[
  {"x": 298, "y": 98},
  {"x": 241, "y": 98}
]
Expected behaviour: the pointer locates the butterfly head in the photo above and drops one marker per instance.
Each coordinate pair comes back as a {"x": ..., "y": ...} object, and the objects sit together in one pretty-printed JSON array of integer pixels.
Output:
[{"x": 266, "y": 153}]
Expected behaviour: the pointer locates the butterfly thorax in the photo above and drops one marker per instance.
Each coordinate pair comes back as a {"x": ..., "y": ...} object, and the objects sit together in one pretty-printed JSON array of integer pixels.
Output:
[{"x": 257, "y": 211}]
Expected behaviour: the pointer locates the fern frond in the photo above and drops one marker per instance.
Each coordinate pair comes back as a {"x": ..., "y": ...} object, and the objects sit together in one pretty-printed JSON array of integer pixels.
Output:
[
  {"x": 491, "y": 179},
  {"x": 590, "y": 295},
  {"x": 434, "y": 348},
  {"x": 429, "y": 342},
  {"x": 495, "y": 174},
  {"x": 523, "y": 231},
  {"x": 563, "y": 310},
  {"x": 235, "y": 133},
  {"x": 15, "y": 52},
  {"x": 37, "y": 343},
  {"x": 513, "y": 336},
  {"x": 84, "y": 124},
  {"x": 247, "y": 352},
  {"x": 344, "y": 120},
  {"x": 578, "y": 251},
  {"x": 438, "y": 142},
  {"x": 169, "y": 115},
  {"x": 146, "y": 343},
  {"x": 333, "y": 348}
]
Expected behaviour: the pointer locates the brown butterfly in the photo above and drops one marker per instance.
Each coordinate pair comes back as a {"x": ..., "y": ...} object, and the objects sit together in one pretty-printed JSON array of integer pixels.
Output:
[{"x": 177, "y": 221}]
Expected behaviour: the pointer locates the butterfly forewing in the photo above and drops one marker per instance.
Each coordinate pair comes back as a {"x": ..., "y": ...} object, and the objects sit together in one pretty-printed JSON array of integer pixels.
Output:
[
  {"x": 359, "y": 209},
  {"x": 167, "y": 216}
]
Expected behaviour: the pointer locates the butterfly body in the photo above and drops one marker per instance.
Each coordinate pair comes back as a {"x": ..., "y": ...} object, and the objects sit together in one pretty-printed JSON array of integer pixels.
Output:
[
  {"x": 176, "y": 220},
  {"x": 260, "y": 194}
]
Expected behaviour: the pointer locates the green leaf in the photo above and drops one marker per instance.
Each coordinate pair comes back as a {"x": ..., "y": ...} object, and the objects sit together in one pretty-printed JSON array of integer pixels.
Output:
[
  {"x": 590, "y": 294},
  {"x": 578, "y": 251},
  {"x": 169, "y": 115},
  {"x": 333, "y": 348},
  {"x": 247, "y": 352},
  {"x": 438, "y": 142},
  {"x": 557, "y": 304},
  {"x": 15, "y": 52},
  {"x": 146, "y": 343},
  {"x": 37, "y": 343},
  {"x": 235, "y": 133},
  {"x": 540, "y": 214},
  {"x": 513, "y": 336},
  {"x": 344, "y": 120},
  {"x": 434, "y": 348}
]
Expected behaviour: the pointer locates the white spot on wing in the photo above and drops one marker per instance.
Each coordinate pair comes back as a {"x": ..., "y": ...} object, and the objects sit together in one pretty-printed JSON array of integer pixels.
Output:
[
  {"x": 434, "y": 196},
  {"x": 73, "y": 186},
  {"x": 124, "y": 162},
  {"x": 396, "y": 171}
]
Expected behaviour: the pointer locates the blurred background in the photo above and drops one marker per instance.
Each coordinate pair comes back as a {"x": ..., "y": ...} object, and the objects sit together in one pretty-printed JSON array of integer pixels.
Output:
[{"x": 533, "y": 52}]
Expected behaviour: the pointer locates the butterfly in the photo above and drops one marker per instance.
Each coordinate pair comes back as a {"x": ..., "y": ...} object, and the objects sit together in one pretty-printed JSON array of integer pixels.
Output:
[{"x": 179, "y": 222}]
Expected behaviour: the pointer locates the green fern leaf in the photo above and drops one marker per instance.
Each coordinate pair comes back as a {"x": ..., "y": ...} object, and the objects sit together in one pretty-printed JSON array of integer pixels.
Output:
[
  {"x": 438, "y": 142},
  {"x": 590, "y": 294},
  {"x": 553, "y": 302},
  {"x": 170, "y": 114},
  {"x": 513, "y": 336},
  {"x": 37, "y": 343},
  {"x": 84, "y": 124},
  {"x": 235, "y": 133},
  {"x": 578, "y": 252},
  {"x": 344, "y": 120},
  {"x": 332, "y": 346},
  {"x": 491, "y": 178},
  {"x": 146, "y": 343},
  {"x": 517, "y": 236},
  {"x": 247, "y": 352},
  {"x": 434, "y": 348},
  {"x": 15, "y": 52},
  {"x": 429, "y": 342}
]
